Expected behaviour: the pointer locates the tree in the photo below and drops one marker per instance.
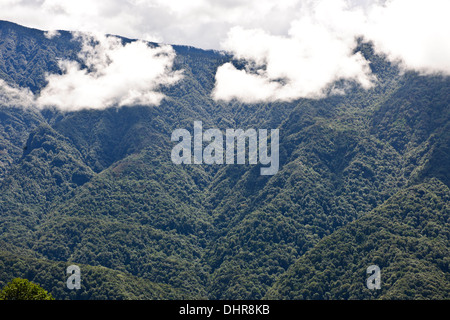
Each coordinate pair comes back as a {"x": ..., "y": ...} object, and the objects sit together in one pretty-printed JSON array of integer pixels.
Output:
[{"x": 22, "y": 289}]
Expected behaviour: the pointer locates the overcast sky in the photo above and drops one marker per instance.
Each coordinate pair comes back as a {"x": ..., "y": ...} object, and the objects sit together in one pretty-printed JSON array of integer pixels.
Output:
[
  {"x": 200, "y": 23},
  {"x": 308, "y": 44}
]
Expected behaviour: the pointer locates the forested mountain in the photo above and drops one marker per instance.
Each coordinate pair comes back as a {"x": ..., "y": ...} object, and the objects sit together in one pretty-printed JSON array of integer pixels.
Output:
[
  {"x": 407, "y": 237},
  {"x": 363, "y": 179}
]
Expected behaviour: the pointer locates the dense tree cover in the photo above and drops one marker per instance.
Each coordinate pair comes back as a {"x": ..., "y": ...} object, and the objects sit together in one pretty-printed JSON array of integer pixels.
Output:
[
  {"x": 408, "y": 237},
  {"x": 27, "y": 54},
  {"x": 98, "y": 188},
  {"x": 15, "y": 126},
  {"x": 96, "y": 282}
]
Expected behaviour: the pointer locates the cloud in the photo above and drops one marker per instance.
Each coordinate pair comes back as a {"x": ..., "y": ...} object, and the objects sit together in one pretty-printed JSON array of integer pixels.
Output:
[
  {"x": 110, "y": 74},
  {"x": 318, "y": 48},
  {"x": 15, "y": 97},
  {"x": 115, "y": 75},
  {"x": 247, "y": 87},
  {"x": 200, "y": 23},
  {"x": 318, "y": 51},
  {"x": 412, "y": 32},
  {"x": 50, "y": 34}
]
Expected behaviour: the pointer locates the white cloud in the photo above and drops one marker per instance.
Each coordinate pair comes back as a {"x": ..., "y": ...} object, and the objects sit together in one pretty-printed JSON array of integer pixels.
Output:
[
  {"x": 414, "y": 32},
  {"x": 317, "y": 51},
  {"x": 116, "y": 75},
  {"x": 15, "y": 97},
  {"x": 113, "y": 75},
  {"x": 239, "y": 84},
  {"x": 50, "y": 34},
  {"x": 319, "y": 48}
]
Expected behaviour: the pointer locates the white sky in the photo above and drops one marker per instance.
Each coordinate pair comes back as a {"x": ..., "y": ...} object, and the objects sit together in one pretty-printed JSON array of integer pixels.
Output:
[{"x": 199, "y": 23}]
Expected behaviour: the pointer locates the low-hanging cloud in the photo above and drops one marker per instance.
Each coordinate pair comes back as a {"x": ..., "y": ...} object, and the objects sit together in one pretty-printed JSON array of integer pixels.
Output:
[
  {"x": 109, "y": 74},
  {"x": 319, "y": 49},
  {"x": 413, "y": 33},
  {"x": 11, "y": 96},
  {"x": 114, "y": 74}
]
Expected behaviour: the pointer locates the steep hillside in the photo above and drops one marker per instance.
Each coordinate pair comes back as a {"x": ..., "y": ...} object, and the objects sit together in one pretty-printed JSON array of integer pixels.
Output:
[
  {"x": 408, "y": 237},
  {"x": 99, "y": 282}
]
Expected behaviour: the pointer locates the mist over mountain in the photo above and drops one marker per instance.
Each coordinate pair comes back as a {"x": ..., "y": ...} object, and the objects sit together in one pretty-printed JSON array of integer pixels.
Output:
[{"x": 86, "y": 177}]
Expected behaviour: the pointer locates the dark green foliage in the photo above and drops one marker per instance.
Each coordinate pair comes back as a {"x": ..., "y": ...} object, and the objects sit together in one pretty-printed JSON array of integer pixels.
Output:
[
  {"x": 15, "y": 126},
  {"x": 408, "y": 237},
  {"x": 96, "y": 282},
  {"x": 27, "y": 54},
  {"x": 363, "y": 179}
]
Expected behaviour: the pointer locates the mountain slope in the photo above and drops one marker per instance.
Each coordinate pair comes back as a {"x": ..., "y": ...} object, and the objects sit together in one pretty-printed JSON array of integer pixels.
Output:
[
  {"x": 100, "y": 282},
  {"x": 15, "y": 126},
  {"x": 408, "y": 237}
]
